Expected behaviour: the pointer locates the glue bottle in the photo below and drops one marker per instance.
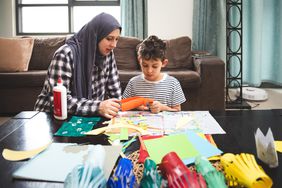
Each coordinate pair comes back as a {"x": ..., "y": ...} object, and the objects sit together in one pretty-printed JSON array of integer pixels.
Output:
[{"x": 60, "y": 101}]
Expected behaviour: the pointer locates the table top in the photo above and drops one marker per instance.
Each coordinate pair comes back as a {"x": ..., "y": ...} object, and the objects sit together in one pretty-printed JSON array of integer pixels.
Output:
[{"x": 29, "y": 130}]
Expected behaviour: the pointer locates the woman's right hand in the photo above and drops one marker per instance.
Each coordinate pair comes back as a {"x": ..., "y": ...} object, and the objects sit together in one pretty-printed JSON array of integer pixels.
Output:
[{"x": 109, "y": 108}]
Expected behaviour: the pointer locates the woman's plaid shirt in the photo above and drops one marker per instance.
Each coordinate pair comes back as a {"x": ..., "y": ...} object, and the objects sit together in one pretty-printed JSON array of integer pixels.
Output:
[{"x": 105, "y": 84}]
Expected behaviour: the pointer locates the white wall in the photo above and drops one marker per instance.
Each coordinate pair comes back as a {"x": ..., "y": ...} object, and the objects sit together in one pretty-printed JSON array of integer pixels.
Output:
[
  {"x": 170, "y": 18},
  {"x": 7, "y": 18}
]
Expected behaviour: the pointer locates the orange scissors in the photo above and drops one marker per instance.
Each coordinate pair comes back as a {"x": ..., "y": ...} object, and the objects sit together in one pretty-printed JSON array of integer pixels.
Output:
[{"x": 134, "y": 102}]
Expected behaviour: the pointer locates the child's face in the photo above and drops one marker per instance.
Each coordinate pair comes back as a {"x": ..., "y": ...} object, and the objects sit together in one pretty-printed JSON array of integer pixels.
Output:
[{"x": 152, "y": 69}]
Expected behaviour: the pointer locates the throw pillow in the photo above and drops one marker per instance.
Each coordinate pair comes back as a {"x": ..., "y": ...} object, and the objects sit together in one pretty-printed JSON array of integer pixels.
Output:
[
  {"x": 15, "y": 54},
  {"x": 178, "y": 53},
  {"x": 43, "y": 51},
  {"x": 125, "y": 53}
]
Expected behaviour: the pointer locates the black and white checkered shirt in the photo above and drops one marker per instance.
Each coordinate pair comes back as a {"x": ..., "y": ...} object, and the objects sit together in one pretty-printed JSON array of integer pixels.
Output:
[{"x": 105, "y": 84}]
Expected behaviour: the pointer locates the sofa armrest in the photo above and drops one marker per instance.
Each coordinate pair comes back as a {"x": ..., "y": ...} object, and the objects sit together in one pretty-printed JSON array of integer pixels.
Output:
[{"x": 212, "y": 73}]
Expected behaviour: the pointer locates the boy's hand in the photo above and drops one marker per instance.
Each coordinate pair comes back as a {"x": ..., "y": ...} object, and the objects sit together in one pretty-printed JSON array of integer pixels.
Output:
[
  {"x": 142, "y": 108},
  {"x": 109, "y": 108},
  {"x": 157, "y": 107}
]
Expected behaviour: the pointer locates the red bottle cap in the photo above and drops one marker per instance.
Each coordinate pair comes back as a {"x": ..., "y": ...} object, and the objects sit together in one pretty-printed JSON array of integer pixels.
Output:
[{"x": 60, "y": 80}]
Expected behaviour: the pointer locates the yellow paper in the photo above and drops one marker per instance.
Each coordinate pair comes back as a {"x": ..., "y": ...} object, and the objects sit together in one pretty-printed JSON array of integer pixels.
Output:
[
  {"x": 116, "y": 125},
  {"x": 278, "y": 145},
  {"x": 13, "y": 155}
]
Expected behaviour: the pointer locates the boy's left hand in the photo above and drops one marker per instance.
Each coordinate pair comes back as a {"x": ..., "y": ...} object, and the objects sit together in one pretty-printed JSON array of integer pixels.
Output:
[{"x": 157, "y": 107}]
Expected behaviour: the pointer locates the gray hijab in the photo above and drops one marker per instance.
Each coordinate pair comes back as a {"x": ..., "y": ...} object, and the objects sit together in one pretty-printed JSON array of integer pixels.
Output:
[{"x": 84, "y": 46}]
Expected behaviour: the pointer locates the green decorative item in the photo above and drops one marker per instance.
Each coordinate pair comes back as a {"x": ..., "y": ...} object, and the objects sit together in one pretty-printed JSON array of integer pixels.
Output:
[
  {"x": 77, "y": 126},
  {"x": 214, "y": 178},
  {"x": 151, "y": 177}
]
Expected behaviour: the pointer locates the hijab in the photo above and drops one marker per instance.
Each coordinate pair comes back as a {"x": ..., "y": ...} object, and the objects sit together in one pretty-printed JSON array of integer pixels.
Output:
[{"x": 84, "y": 46}]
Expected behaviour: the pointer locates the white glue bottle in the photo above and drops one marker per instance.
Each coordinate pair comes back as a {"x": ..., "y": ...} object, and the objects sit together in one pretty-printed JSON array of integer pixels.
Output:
[{"x": 60, "y": 101}]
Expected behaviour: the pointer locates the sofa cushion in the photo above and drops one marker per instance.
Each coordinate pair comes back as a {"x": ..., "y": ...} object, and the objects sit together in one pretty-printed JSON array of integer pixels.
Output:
[
  {"x": 15, "y": 54},
  {"x": 187, "y": 78},
  {"x": 43, "y": 51},
  {"x": 179, "y": 53},
  {"x": 22, "y": 79},
  {"x": 125, "y": 53}
]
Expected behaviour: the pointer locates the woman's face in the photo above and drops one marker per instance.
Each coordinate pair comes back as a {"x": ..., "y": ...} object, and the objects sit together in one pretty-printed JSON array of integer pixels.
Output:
[{"x": 107, "y": 44}]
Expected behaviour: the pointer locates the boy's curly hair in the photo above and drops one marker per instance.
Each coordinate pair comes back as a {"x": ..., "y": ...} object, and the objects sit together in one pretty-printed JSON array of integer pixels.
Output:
[{"x": 152, "y": 48}]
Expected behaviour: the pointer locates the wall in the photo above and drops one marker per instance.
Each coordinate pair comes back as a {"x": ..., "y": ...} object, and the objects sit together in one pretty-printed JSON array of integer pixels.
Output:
[
  {"x": 166, "y": 18},
  {"x": 169, "y": 19},
  {"x": 7, "y": 18}
]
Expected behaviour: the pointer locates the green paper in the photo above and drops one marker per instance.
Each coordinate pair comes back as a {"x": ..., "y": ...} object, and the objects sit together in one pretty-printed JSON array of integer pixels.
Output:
[
  {"x": 214, "y": 178},
  {"x": 113, "y": 137},
  {"x": 151, "y": 177},
  {"x": 77, "y": 126},
  {"x": 179, "y": 143},
  {"x": 124, "y": 134},
  {"x": 77, "y": 119}
]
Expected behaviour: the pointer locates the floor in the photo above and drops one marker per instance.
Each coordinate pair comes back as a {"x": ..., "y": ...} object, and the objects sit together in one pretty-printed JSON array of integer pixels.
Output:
[{"x": 274, "y": 101}]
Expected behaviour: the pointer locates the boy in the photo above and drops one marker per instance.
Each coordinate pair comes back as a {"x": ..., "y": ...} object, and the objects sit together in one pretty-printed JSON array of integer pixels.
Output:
[{"x": 152, "y": 83}]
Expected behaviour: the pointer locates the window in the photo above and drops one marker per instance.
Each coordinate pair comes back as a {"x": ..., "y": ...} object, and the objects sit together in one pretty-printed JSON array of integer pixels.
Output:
[{"x": 54, "y": 17}]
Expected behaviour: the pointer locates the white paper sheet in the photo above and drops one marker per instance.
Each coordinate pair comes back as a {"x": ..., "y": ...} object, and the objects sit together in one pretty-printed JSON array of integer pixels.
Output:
[{"x": 199, "y": 121}]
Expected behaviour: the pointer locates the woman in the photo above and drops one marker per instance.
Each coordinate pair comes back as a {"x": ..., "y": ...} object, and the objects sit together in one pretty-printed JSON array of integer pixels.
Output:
[{"x": 88, "y": 70}]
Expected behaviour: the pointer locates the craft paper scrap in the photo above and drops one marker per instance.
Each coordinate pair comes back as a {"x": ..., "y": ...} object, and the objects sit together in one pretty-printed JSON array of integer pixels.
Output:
[
  {"x": 113, "y": 137},
  {"x": 159, "y": 147},
  {"x": 266, "y": 148},
  {"x": 278, "y": 145},
  {"x": 203, "y": 146},
  {"x": 208, "y": 137},
  {"x": 77, "y": 126},
  {"x": 59, "y": 159},
  {"x": 117, "y": 125},
  {"x": 124, "y": 134},
  {"x": 13, "y": 155}
]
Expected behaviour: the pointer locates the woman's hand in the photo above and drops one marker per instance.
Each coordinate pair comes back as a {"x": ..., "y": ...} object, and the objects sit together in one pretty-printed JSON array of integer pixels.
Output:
[{"x": 109, "y": 108}]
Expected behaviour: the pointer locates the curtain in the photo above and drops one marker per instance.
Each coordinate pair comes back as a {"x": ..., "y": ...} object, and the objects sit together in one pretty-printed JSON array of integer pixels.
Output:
[
  {"x": 134, "y": 18},
  {"x": 209, "y": 27},
  {"x": 262, "y": 42}
]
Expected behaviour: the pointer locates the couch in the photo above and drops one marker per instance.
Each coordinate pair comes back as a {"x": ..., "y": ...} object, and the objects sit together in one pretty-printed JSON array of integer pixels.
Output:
[{"x": 201, "y": 77}]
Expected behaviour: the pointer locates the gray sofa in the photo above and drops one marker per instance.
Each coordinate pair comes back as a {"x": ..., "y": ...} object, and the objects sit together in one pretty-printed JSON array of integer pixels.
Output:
[{"x": 202, "y": 79}]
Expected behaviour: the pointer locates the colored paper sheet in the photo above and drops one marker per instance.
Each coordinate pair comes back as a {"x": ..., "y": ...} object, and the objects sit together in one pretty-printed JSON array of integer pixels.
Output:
[
  {"x": 143, "y": 153},
  {"x": 124, "y": 134},
  {"x": 187, "y": 146},
  {"x": 278, "y": 145},
  {"x": 54, "y": 163},
  {"x": 113, "y": 137},
  {"x": 178, "y": 143},
  {"x": 204, "y": 147},
  {"x": 77, "y": 126}
]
